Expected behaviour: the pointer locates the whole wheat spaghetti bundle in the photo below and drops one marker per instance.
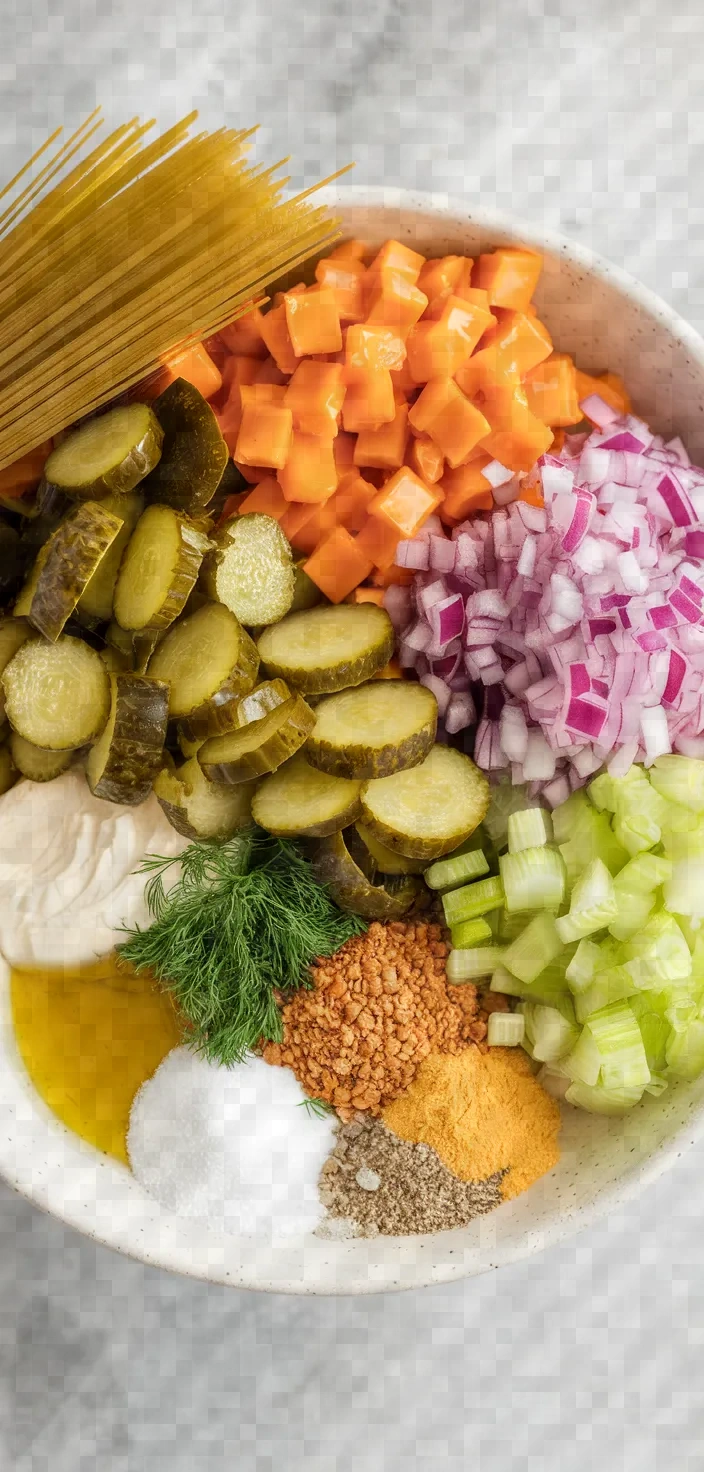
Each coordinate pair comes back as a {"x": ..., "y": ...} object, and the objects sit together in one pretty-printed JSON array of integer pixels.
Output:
[{"x": 109, "y": 263}]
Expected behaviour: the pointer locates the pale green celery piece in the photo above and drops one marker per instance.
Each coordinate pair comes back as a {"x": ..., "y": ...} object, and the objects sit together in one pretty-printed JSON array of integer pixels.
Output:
[
  {"x": 607, "y": 987},
  {"x": 470, "y": 933},
  {"x": 529, "y": 829},
  {"x": 657, "y": 1085},
  {"x": 472, "y": 901},
  {"x": 570, "y": 814},
  {"x": 451, "y": 873},
  {"x": 469, "y": 965},
  {"x": 584, "y": 965},
  {"x": 583, "y": 1064},
  {"x": 654, "y": 1030},
  {"x": 552, "y": 990},
  {"x": 641, "y": 814},
  {"x": 505, "y": 799},
  {"x": 684, "y": 892},
  {"x": 633, "y": 911},
  {"x": 658, "y": 955},
  {"x": 643, "y": 874},
  {"x": 685, "y": 1052},
  {"x": 601, "y": 792},
  {"x": 682, "y": 834},
  {"x": 534, "y": 949},
  {"x": 509, "y": 926},
  {"x": 679, "y": 779},
  {"x": 601, "y": 1100},
  {"x": 681, "y": 1010},
  {"x": 591, "y": 838},
  {"x": 503, "y": 981},
  {"x": 505, "y": 1029},
  {"x": 593, "y": 904},
  {"x": 637, "y": 832},
  {"x": 533, "y": 880},
  {"x": 617, "y": 1035},
  {"x": 553, "y": 1035}
]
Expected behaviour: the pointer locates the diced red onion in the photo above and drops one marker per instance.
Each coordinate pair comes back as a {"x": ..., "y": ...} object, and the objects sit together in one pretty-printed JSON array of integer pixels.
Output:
[
  {"x": 557, "y": 791},
  {"x": 398, "y": 602},
  {"x": 514, "y": 733},
  {"x": 460, "y": 713},
  {"x": 439, "y": 689},
  {"x": 487, "y": 603},
  {"x": 487, "y": 747},
  {"x": 676, "y": 501},
  {"x": 656, "y": 737},
  {"x": 539, "y": 762},
  {"x": 442, "y": 554},
  {"x": 597, "y": 409},
  {"x": 414, "y": 555},
  {"x": 497, "y": 474},
  {"x": 418, "y": 637}
]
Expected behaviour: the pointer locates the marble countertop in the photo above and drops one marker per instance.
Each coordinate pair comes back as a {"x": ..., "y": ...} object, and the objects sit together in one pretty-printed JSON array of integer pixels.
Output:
[{"x": 588, "y": 118}]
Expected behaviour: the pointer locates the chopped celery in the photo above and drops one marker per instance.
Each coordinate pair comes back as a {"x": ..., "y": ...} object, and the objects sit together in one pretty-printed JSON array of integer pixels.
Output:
[
  {"x": 617, "y": 1036},
  {"x": 534, "y": 949},
  {"x": 584, "y": 965},
  {"x": 551, "y": 1034},
  {"x": 583, "y": 1064},
  {"x": 503, "y": 981},
  {"x": 505, "y": 799},
  {"x": 570, "y": 815},
  {"x": 470, "y": 933},
  {"x": 679, "y": 779},
  {"x": 637, "y": 832},
  {"x": 640, "y": 813},
  {"x": 682, "y": 834},
  {"x": 529, "y": 829},
  {"x": 609, "y": 986},
  {"x": 469, "y": 965},
  {"x": 600, "y": 1100},
  {"x": 657, "y": 1085},
  {"x": 601, "y": 792},
  {"x": 643, "y": 874},
  {"x": 684, "y": 892},
  {"x": 505, "y": 1029},
  {"x": 654, "y": 1030},
  {"x": 472, "y": 901},
  {"x": 450, "y": 873},
  {"x": 551, "y": 989},
  {"x": 593, "y": 904},
  {"x": 633, "y": 911},
  {"x": 533, "y": 879},
  {"x": 509, "y": 926},
  {"x": 685, "y": 1051},
  {"x": 659, "y": 954},
  {"x": 591, "y": 838}
]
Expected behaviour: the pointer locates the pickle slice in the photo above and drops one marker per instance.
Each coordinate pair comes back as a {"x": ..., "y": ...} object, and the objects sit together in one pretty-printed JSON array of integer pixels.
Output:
[
  {"x": 95, "y": 603},
  {"x": 124, "y": 761},
  {"x": 329, "y": 648},
  {"x": 57, "y": 695},
  {"x": 378, "y": 859},
  {"x": 260, "y": 746},
  {"x": 14, "y": 632},
  {"x": 35, "y": 762},
  {"x": 64, "y": 567},
  {"x": 111, "y": 453},
  {"x": 428, "y": 810},
  {"x": 306, "y": 593},
  {"x": 374, "y": 730},
  {"x": 158, "y": 571},
  {"x": 194, "y": 454},
  {"x": 250, "y": 569},
  {"x": 298, "y": 801},
  {"x": 261, "y": 699},
  {"x": 209, "y": 662},
  {"x": 200, "y": 809},
  {"x": 350, "y": 888}
]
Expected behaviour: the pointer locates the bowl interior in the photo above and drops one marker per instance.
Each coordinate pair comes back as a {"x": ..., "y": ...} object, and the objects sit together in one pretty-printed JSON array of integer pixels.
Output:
[{"x": 607, "y": 321}]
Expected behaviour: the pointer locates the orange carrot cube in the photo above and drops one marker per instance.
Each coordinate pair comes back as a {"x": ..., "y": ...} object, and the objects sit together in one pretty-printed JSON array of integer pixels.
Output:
[
  {"x": 262, "y": 393},
  {"x": 516, "y": 437},
  {"x": 466, "y": 491},
  {"x": 369, "y": 401},
  {"x": 394, "y": 256},
  {"x": 453, "y": 423},
  {"x": 378, "y": 540},
  {"x": 482, "y": 370},
  {"x": 369, "y": 595},
  {"x": 425, "y": 459},
  {"x": 253, "y": 474},
  {"x": 371, "y": 345},
  {"x": 395, "y": 302},
  {"x": 510, "y": 275},
  {"x": 618, "y": 389},
  {"x": 551, "y": 391},
  {"x": 313, "y": 321},
  {"x": 238, "y": 373},
  {"x": 354, "y": 250},
  {"x": 244, "y": 335},
  {"x": 237, "y": 370},
  {"x": 265, "y": 434},
  {"x": 309, "y": 473},
  {"x": 24, "y": 474},
  {"x": 279, "y": 297},
  {"x": 384, "y": 447},
  {"x": 401, "y": 577},
  {"x": 345, "y": 279},
  {"x": 295, "y": 518},
  {"x": 195, "y": 365},
  {"x": 269, "y": 372},
  {"x": 266, "y": 498},
  {"x": 338, "y": 565},
  {"x": 278, "y": 342},
  {"x": 352, "y": 500},
  {"x": 520, "y": 342},
  {"x": 438, "y": 348},
  {"x": 439, "y": 277},
  {"x": 343, "y": 452},
  {"x": 405, "y": 503},
  {"x": 315, "y": 396},
  {"x": 609, "y": 387},
  {"x": 316, "y": 528}
]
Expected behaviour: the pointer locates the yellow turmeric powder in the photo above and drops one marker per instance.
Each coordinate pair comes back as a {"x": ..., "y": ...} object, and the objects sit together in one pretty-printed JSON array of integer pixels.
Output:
[{"x": 482, "y": 1112}]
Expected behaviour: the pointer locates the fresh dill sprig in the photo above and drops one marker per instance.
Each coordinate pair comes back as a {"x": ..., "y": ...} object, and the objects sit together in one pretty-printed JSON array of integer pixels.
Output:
[
  {"x": 316, "y": 1108},
  {"x": 242, "y": 920}
]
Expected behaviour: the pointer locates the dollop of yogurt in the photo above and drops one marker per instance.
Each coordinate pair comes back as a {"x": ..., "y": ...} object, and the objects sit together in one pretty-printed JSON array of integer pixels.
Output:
[{"x": 68, "y": 870}]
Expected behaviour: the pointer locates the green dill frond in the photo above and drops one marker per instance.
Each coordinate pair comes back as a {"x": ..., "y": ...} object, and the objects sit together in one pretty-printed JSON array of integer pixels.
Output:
[{"x": 316, "y": 1108}]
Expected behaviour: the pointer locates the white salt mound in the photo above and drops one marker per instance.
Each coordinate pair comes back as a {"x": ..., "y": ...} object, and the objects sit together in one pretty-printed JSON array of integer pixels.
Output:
[{"x": 230, "y": 1145}]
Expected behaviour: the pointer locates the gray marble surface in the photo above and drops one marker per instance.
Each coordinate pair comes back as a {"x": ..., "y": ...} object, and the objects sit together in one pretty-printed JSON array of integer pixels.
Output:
[{"x": 589, "y": 118}]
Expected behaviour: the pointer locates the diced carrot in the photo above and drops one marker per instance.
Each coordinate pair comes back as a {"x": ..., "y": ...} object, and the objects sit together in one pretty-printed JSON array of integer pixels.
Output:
[
  {"x": 378, "y": 540},
  {"x": 278, "y": 342},
  {"x": 23, "y": 475},
  {"x": 265, "y": 433},
  {"x": 520, "y": 342},
  {"x": 454, "y": 424},
  {"x": 368, "y": 595},
  {"x": 297, "y": 516},
  {"x": 466, "y": 491},
  {"x": 267, "y": 498},
  {"x": 510, "y": 275},
  {"x": 315, "y": 396},
  {"x": 217, "y": 350},
  {"x": 338, "y": 565},
  {"x": 482, "y": 371},
  {"x": 426, "y": 459},
  {"x": 269, "y": 372},
  {"x": 231, "y": 507},
  {"x": 195, "y": 365},
  {"x": 279, "y": 297},
  {"x": 439, "y": 277},
  {"x": 345, "y": 279},
  {"x": 551, "y": 391},
  {"x": 262, "y": 393},
  {"x": 394, "y": 256},
  {"x": 316, "y": 528},
  {"x": 392, "y": 670},
  {"x": 253, "y": 474},
  {"x": 609, "y": 387},
  {"x": 558, "y": 441},
  {"x": 313, "y": 321},
  {"x": 436, "y": 349},
  {"x": 343, "y": 452},
  {"x": 371, "y": 345},
  {"x": 385, "y": 447},
  {"x": 403, "y": 381},
  {"x": 245, "y": 335},
  {"x": 237, "y": 370},
  {"x": 405, "y": 503},
  {"x": 532, "y": 494},
  {"x": 383, "y": 577},
  {"x": 349, "y": 249},
  {"x": 516, "y": 438},
  {"x": 394, "y": 302},
  {"x": 352, "y": 500},
  {"x": 309, "y": 473},
  {"x": 369, "y": 401},
  {"x": 618, "y": 388}
]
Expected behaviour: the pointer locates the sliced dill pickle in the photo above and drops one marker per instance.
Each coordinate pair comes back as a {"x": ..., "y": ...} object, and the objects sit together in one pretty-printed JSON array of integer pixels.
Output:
[
  {"x": 350, "y": 888},
  {"x": 110, "y": 454},
  {"x": 57, "y": 695},
  {"x": 65, "y": 565},
  {"x": 383, "y": 860},
  {"x": 374, "y": 730},
  {"x": 428, "y": 810},
  {"x": 35, "y": 762},
  {"x": 116, "y": 661},
  {"x": 298, "y": 801},
  {"x": 260, "y": 700},
  {"x": 8, "y": 771},
  {"x": 126, "y": 758},
  {"x": 194, "y": 455},
  {"x": 321, "y": 650},
  {"x": 200, "y": 809},
  {"x": 306, "y": 593},
  {"x": 250, "y": 569},
  {"x": 95, "y": 603},
  {"x": 260, "y": 746},
  {"x": 14, "y": 632},
  {"x": 136, "y": 647},
  {"x": 187, "y": 745},
  {"x": 158, "y": 571},
  {"x": 209, "y": 663}
]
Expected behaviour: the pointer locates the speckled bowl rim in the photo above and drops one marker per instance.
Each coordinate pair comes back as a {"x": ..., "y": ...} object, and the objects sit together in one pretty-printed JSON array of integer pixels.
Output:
[{"x": 154, "y": 1238}]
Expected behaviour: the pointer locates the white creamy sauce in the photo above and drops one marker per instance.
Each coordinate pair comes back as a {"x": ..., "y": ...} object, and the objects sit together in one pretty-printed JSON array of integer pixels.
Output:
[{"x": 67, "y": 870}]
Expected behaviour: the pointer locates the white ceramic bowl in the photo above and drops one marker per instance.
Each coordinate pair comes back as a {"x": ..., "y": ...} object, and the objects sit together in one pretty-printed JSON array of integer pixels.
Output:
[{"x": 607, "y": 320}]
